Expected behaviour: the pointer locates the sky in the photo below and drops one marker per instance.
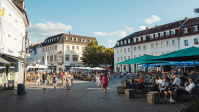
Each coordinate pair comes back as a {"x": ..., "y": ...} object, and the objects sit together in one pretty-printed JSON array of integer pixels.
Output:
[{"x": 107, "y": 20}]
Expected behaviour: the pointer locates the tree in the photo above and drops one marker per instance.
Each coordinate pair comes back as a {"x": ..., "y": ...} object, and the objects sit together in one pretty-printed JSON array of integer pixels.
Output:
[{"x": 109, "y": 57}]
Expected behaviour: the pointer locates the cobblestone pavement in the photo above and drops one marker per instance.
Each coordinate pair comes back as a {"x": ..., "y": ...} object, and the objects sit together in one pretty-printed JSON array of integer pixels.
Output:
[{"x": 84, "y": 96}]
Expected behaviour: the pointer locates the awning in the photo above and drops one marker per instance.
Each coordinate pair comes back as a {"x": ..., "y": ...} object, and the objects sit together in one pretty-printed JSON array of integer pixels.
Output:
[
  {"x": 2, "y": 67},
  {"x": 4, "y": 61}
]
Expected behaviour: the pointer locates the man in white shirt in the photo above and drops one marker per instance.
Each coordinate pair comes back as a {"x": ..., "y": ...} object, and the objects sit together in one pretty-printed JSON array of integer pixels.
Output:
[
  {"x": 188, "y": 89},
  {"x": 177, "y": 81},
  {"x": 163, "y": 85}
]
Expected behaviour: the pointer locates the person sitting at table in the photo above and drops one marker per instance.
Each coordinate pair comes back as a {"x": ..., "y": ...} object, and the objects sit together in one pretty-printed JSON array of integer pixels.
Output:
[
  {"x": 163, "y": 85},
  {"x": 140, "y": 80},
  {"x": 176, "y": 81},
  {"x": 169, "y": 90},
  {"x": 167, "y": 78},
  {"x": 187, "y": 90},
  {"x": 159, "y": 80},
  {"x": 183, "y": 79}
]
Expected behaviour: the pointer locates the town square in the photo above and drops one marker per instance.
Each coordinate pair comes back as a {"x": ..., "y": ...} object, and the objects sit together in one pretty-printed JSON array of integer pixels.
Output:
[{"x": 99, "y": 56}]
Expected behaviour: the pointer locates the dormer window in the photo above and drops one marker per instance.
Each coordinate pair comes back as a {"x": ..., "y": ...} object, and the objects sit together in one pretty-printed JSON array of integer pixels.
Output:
[
  {"x": 167, "y": 33},
  {"x": 134, "y": 39},
  {"x": 45, "y": 42},
  {"x": 156, "y": 35},
  {"x": 121, "y": 42},
  {"x": 173, "y": 32},
  {"x": 124, "y": 41},
  {"x": 151, "y": 36},
  {"x": 84, "y": 40},
  {"x": 72, "y": 38},
  {"x": 139, "y": 39},
  {"x": 76, "y": 39},
  {"x": 66, "y": 38},
  {"x": 54, "y": 39},
  {"x": 162, "y": 34},
  {"x": 185, "y": 30},
  {"x": 129, "y": 41},
  {"x": 57, "y": 38},
  {"x": 81, "y": 40},
  {"x": 118, "y": 43},
  {"x": 144, "y": 38},
  {"x": 195, "y": 28}
]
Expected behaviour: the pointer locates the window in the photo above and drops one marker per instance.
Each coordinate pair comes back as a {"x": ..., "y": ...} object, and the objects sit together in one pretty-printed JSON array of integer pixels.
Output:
[
  {"x": 57, "y": 38},
  {"x": 139, "y": 39},
  {"x": 139, "y": 55},
  {"x": 10, "y": 18},
  {"x": 121, "y": 59},
  {"x": 196, "y": 41},
  {"x": 173, "y": 32},
  {"x": 135, "y": 56},
  {"x": 144, "y": 38},
  {"x": 186, "y": 42},
  {"x": 84, "y": 40},
  {"x": 152, "y": 54},
  {"x": 52, "y": 47},
  {"x": 129, "y": 41},
  {"x": 156, "y": 35},
  {"x": 124, "y": 58},
  {"x": 51, "y": 58},
  {"x": 72, "y": 38},
  {"x": 128, "y": 49},
  {"x": 118, "y": 59},
  {"x": 55, "y": 47},
  {"x": 83, "y": 48},
  {"x": 167, "y": 33},
  {"x": 121, "y": 50},
  {"x": 168, "y": 43},
  {"x": 66, "y": 38},
  {"x": 55, "y": 58},
  {"x": 76, "y": 39},
  {"x": 121, "y": 42},
  {"x": 42, "y": 58},
  {"x": 134, "y": 39},
  {"x": 144, "y": 47},
  {"x": 157, "y": 45},
  {"x": 185, "y": 30},
  {"x": 151, "y": 36},
  {"x": 173, "y": 42},
  {"x": 16, "y": 23},
  {"x": 134, "y": 48},
  {"x": 162, "y": 44},
  {"x": 68, "y": 47},
  {"x": 152, "y": 45},
  {"x": 168, "y": 51},
  {"x": 73, "y": 47},
  {"x": 67, "y": 57},
  {"x": 129, "y": 57},
  {"x": 124, "y": 50},
  {"x": 77, "y": 47},
  {"x": 118, "y": 43},
  {"x": 43, "y": 50},
  {"x": 124, "y": 41},
  {"x": 162, "y": 53},
  {"x": 157, "y": 54},
  {"x": 139, "y": 48},
  {"x": 195, "y": 28},
  {"x": 117, "y": 51},
  {"x": 162, "y": 34}
]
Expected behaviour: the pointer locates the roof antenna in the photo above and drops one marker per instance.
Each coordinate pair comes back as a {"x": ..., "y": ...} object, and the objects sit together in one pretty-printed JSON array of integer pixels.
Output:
[
  {"x": 196, "y": 10},
  {"x": 69, "y": 30}
]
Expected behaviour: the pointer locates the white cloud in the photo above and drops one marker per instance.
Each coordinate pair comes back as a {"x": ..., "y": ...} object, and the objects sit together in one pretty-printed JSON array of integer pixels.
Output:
[
  {"x": 121, "y": 33},
  {"x": 38, "y": 32},
  {"x": 142, "y": 27},
  {"x": 153, "y": 19},
  {"x": 111, "y": 41}
]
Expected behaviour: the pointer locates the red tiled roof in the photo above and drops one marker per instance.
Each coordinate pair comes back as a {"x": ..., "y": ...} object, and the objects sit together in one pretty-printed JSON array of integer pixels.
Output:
[
  {"x": 191, "y": 22},
  {"x": 164, "y": 27}
]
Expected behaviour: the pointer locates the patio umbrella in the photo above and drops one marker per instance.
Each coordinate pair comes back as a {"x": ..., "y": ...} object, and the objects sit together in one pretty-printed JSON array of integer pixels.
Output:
[{"x": 188, "y": 54}]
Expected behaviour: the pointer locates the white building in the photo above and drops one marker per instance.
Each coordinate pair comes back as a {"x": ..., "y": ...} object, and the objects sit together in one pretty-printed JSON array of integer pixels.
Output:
[
  {"x": 60, "y": 52},
  {"x": 12, "y": 39},
  {"x": 157, "y": 41}
]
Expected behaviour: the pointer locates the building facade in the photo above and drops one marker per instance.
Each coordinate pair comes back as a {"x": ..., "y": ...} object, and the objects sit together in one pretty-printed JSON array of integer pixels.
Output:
[
  {"x": 12, "y": 40},
  {"x": 62, "y": 51},
  {"x": 158, "y": 40}
]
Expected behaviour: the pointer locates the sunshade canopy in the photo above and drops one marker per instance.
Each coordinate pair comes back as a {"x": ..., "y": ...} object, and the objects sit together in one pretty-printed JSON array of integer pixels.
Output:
[{"x": 188, "y": 54}]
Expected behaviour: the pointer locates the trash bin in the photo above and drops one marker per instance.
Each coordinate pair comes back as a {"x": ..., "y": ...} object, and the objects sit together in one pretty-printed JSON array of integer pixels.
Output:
[
  {"x": 20, "y": 89},
  {"x": 10, "y": 84}
]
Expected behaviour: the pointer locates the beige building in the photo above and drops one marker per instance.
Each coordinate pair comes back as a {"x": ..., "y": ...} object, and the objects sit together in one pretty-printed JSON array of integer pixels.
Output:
[{"x": 62, "y": 51}]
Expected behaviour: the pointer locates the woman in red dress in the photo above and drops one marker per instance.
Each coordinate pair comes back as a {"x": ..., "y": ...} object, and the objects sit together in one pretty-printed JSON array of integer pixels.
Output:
[{"x": 105, "y": 82}]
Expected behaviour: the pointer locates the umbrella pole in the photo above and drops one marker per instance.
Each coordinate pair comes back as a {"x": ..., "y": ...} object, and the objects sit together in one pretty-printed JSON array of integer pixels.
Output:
[
  {"x": 194, "y": 68},
  {"x": 147, "y": 68}
]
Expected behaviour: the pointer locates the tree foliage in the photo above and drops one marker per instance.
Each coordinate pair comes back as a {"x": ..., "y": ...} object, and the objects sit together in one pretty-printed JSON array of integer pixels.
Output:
[{"x": 95, "y": 55}]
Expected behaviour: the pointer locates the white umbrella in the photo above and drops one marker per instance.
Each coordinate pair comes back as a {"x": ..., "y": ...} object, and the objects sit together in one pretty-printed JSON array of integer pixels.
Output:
[{"x": 98, "y": 68}]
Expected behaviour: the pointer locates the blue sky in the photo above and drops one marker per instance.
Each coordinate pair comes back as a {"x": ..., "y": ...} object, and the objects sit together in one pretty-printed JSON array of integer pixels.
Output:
[{"x": 107, "y": 20}]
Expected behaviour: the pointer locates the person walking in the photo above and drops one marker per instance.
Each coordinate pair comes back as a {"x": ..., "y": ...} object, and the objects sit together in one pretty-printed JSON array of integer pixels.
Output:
[
  {"x": 64, "y": 81},
  {"x": 54, "y": 80},
  {"x": 97, "y": 80},
  {"x": 37, "y": 83},
  {"x": 105, "y": 82},
  {"x": 62, "y": 77},
  {"x": 44, "y": 77}
]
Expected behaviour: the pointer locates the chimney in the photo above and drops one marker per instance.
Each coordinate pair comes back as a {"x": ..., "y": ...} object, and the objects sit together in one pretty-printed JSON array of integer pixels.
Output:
[
  {"x": 156, "y": 25},
  {"x": 186, "y": 18},
  {"x": 147, "y": 28}
]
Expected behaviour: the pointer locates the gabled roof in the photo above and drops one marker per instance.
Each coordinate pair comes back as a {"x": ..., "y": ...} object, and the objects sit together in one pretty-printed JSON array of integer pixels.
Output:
[
  {"x": 164, "y": 27},
  {"x": 191, "y": 22}
]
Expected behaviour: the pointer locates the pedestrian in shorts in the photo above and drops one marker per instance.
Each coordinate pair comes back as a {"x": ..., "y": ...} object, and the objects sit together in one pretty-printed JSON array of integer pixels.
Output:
[{"x": 44, "y": 77}]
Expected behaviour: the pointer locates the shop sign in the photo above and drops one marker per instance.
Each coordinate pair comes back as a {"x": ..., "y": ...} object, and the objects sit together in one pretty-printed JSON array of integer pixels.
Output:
[
  {"x": 1, "y": 12},
  {"x": 60, "y": 57}
]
